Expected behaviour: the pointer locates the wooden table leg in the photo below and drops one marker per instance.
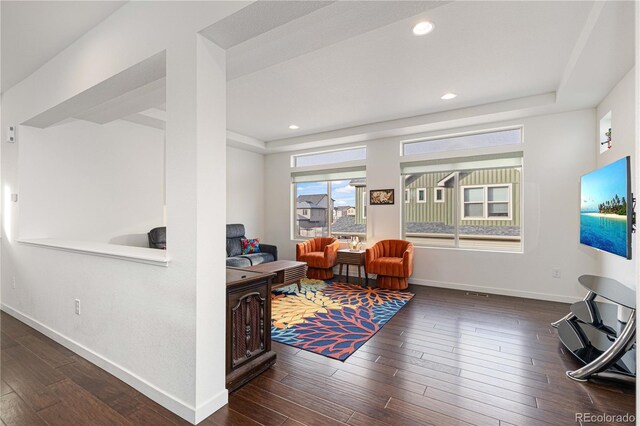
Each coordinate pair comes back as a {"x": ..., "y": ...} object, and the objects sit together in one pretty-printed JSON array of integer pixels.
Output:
[
  {"x": 347, "y": 273},
  {"x": 299, "y": 286},
  {"x": 359, "y": 276},
  {"x": 341, "y": 269}
]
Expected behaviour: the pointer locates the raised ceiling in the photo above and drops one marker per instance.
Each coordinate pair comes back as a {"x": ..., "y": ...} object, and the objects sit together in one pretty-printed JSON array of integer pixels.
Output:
[
  {"x": 483, "y": 51},
  {"x": 357, "y": 67}
]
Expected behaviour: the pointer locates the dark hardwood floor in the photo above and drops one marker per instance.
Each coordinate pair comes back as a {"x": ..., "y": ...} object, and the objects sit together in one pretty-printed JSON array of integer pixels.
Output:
[{"x": 446, "y": 358}]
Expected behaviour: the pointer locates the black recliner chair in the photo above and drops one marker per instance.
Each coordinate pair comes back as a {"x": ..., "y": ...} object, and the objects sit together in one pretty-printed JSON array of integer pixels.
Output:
[{"x": 158, "y": 238}]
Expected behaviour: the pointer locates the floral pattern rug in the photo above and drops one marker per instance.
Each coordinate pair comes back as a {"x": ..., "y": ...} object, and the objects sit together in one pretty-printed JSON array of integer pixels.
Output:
[{"x": 329, "y": 318}]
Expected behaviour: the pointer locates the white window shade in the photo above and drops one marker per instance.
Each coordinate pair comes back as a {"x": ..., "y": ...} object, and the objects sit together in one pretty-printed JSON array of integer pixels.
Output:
[
  {"x": 328, "y": 175},
  {"x": 510, "y": 159},
  {"x": 468, "y": 141}
]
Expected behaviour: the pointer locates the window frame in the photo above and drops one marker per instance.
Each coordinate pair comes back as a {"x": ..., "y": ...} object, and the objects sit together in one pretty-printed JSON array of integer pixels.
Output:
[
  {"x": 486, "y": 202},
  {"x": 364, "y": 205},
  {"x": 294, "y": 158},
  {"x": 435, "y": 195},
  {"x": 418, "y": 191},
  {"x": 448, "y": 136},
  {"x": 295, "y": 226}
]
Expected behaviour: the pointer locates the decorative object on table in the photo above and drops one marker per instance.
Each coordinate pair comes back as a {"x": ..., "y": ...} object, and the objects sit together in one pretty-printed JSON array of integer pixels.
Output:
[
  {"x": 354, "y": 243},
  {"x": 594, "y": 335},
  {"x": 356, "y": 258},
  {"x": 331, "y": 319},
  {"x": 392, "y": 260},
  {"x": 320, "y": 256},
  {"x": 235, "y": 257},
  {"x": 248, "y": 334},
  {"x": 381, "y": 197}
]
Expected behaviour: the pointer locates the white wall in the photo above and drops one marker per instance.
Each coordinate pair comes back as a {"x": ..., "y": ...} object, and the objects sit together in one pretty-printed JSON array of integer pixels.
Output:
[
  {"x": 85, "y": 181},
  {"x": 160, "y": 329},
  {"x": 245, "y": 191},
  {"x": 621, "y": 102},
  {"x": 557, "y": 151}
]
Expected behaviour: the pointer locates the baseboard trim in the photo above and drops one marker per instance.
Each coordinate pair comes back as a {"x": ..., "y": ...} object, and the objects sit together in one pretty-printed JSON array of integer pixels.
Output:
[
  {"x": 211, "y": 406},
  {"x": 168, "y": 401},
  {"x": 495, "y": 290}
]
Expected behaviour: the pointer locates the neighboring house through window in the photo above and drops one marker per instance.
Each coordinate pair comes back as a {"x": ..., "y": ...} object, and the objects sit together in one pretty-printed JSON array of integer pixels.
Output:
[
  {"x": 476, "y": 199},
  {"x": 421, "y": 195}
]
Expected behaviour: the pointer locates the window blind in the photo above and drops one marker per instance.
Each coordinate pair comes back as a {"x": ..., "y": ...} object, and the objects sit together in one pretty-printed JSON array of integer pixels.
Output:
[
  {"x": 494, "y": 161},
  {"x": 329, "y": 175}
]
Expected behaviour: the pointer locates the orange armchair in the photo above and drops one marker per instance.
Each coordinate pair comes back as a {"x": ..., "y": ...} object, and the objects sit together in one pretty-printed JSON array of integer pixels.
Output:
[
  {"x": 320, "y": 254},
  {"x": 392, "y": 260}
]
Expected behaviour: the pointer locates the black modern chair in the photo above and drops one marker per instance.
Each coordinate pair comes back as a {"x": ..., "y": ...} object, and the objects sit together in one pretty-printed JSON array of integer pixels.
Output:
[{"x": 158, "y": 238}]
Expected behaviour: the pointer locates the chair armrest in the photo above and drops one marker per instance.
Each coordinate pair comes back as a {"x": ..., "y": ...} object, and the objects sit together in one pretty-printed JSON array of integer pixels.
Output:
[
  {"x": 407, "y": 260},
  {"x": 302, "y": 248},
  {"x": 372, "y": 254},
  {"x": 331, "y": 252},
  {"x": 268, "y": 248}
]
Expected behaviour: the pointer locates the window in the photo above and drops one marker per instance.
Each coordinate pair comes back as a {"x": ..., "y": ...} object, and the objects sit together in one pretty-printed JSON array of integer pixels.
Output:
[
  {"x": 407, "y": 195},
  {"x": 364, "y": 205},
  {"x": 468, "y": 141},
  {"x": 329, "y": 207},
  {"x": 476, "y": 203},
  {"x": 329, "y": 157},
  {"x": 421, "y": 195},
  {"x": 486, "y": 202}
]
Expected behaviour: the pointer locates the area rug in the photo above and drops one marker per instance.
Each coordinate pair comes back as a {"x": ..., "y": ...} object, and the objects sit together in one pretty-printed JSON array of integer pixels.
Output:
[{"x": 329, "y": 318}]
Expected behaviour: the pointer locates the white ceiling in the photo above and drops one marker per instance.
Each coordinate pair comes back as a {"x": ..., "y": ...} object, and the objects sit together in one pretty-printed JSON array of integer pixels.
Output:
[
  {"x": 483, "y": 51},
  {"x": 339, "y": 65},
  {"x": 33, "y": 32}
]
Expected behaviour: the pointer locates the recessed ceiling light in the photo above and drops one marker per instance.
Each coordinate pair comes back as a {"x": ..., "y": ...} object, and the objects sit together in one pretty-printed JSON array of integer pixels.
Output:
[
  {"x": 294, "y": 127},
  {"x": 423, "y": 28},
  {"x": 448, "y": 96}
]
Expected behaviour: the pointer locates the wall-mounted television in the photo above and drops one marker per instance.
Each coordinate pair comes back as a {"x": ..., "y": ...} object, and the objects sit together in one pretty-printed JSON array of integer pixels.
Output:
[{"x": 606, "y": 208}]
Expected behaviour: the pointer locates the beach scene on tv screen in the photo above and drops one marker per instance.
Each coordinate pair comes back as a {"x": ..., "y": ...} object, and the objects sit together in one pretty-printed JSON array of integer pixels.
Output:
[{"x": 603, "y": 210}]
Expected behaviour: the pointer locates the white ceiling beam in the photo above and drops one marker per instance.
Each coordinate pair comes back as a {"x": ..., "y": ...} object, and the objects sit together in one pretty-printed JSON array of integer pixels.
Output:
[
  {"x": 579, "y": 47},
  {"x": 246, "y": 143}
]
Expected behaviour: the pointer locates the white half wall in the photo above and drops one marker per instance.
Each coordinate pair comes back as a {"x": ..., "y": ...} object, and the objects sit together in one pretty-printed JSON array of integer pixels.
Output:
[
  {"x": 245, "y": 191},
  {"x": 91, "y": 182},
  {"x": 621, "y": 102},
  {"x": 557, "y": 151},
  {"x": 160, "y": 329}
]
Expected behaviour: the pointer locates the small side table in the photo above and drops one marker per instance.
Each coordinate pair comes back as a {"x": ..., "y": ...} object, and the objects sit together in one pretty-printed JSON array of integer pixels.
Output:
[{"x": 353, "y": 257}]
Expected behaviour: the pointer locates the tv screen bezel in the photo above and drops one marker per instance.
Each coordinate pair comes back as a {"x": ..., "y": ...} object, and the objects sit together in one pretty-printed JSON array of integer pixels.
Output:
[{"x": 630, "y": 208}]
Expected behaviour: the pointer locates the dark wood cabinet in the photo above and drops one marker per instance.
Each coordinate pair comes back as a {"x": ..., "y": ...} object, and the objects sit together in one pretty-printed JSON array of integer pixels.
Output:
[{"x": 248, "y": 326}]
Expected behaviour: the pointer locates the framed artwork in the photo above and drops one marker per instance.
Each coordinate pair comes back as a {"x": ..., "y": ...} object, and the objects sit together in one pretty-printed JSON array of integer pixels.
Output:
[{"x": 381, "y": 197}]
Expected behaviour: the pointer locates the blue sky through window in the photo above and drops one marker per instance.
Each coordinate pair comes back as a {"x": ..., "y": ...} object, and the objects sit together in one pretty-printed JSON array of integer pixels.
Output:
[{"x": 343, "y": 193}]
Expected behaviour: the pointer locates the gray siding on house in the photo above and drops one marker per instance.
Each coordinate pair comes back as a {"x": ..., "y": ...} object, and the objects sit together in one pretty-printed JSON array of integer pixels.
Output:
[{"x": 432, "y": 212}]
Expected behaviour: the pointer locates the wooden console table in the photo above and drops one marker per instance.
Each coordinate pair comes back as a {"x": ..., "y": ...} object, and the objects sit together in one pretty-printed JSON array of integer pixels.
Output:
[
  {"x": 353, "y": 257},
  {"x": 594, "y": 334},
  {"x": 248, "y": 341}
]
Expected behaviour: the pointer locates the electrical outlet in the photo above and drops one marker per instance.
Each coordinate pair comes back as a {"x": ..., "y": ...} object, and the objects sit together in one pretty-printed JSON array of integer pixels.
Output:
[
  {"x": 77, "y": 306},
  {"x": 555, "y": 273},
  {"x": 13, "y": 282}
]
